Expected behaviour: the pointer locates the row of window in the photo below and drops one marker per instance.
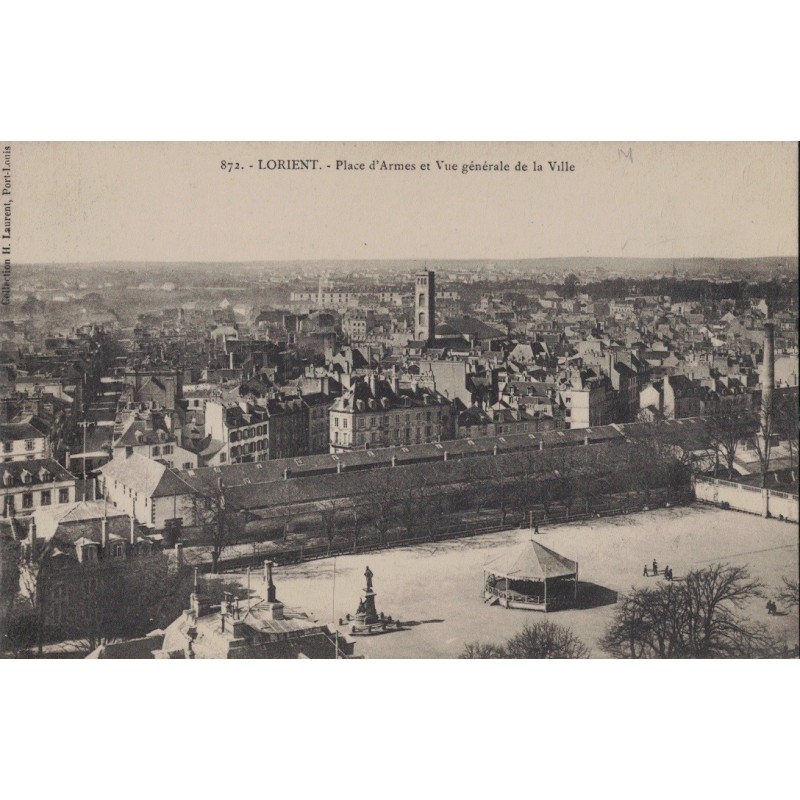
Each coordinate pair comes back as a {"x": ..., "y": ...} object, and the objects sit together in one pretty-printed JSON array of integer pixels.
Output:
[
  {"x": 45, "y": 498},
  {"x": 246, "y": 433},
  {"x": 377, "y": 436},
  {"x": 30, "y": 446},
  {"x": 429, "y": 416}
]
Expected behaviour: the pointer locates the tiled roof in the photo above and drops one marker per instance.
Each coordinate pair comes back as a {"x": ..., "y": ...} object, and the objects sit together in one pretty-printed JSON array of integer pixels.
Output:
[
  {"x": 54, "y": 470},
  {"x": 144, "y": 476}
]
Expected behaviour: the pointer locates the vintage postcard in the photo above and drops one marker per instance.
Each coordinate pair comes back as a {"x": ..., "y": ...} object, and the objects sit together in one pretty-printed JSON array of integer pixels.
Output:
[{"x": 399, "y": 400}]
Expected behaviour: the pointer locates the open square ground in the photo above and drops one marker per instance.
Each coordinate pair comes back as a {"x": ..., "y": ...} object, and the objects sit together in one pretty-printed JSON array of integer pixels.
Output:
[{"x": 439, "y": 586}]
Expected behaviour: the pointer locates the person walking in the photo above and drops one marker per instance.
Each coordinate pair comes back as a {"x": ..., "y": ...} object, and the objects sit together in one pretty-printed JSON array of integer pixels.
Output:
[
  {"x": 645, "y": 574},
  {"x": 655, "y": 567}
]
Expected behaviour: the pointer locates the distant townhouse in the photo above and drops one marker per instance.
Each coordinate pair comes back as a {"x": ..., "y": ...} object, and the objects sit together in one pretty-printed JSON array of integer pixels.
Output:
[
  {"x": 242, "y": 429},
  {"x": 29, "y": 485},
  {"x": 157, "y": 443},
  {"x": 26, "y": 438},
  {"x": 589, "y": 400},
  {"x": 375, "y": 413}
]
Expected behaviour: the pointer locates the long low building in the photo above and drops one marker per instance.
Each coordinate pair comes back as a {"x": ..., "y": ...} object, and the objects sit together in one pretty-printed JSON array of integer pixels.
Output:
[{"x": 160, "y": 497}]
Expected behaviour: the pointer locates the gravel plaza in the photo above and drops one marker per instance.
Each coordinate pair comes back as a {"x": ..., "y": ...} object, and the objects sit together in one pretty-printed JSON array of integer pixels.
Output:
[{"x": 437, "y": 588}]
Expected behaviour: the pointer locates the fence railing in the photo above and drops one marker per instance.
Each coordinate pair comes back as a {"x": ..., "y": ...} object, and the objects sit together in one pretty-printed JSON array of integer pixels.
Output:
[{"x": 607, "y": 506}]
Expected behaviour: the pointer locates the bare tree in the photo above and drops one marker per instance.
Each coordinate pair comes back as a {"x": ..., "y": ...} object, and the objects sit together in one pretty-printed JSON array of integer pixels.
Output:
[
  {"x": 410, "y": 502},
  {"x": 218, "y": 522},
  {"x": 381, "y": 501},
  {"x": 328, "y": 513},
  {"x": 698, "y": 617},
  {"x": 433, "y": 509},
  {"x": 546, "y": 640},
  {"x": 726, "y": 431},
  {"x": 359, "y": 518},
  {"x": 787, "y": 423},
  {"x": 480, "y": 650},
  {"x": 761, "y": 438},
  {"x": 790, "y": 592},
  {"x": 536, "y": 640}
]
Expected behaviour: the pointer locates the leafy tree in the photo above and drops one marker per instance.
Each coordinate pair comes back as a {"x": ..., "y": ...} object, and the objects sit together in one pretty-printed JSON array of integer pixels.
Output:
[{"x": 570, "y": 285}]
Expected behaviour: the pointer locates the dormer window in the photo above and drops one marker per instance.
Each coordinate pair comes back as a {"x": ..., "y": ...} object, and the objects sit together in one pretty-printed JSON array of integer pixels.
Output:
[
  {"x": 44, "y": 475},
  {"x": 88, "y": 552},
  {"x": 26, "y": 477},
  {"x": 8, "y": 479}
]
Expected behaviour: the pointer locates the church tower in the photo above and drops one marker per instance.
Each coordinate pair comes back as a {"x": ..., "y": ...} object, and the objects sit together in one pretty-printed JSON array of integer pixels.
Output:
[{"x": 424, "y": 307}]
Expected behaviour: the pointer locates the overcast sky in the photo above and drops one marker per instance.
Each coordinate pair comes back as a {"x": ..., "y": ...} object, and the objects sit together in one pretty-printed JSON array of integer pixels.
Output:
[{"x": 172, "y": 202}]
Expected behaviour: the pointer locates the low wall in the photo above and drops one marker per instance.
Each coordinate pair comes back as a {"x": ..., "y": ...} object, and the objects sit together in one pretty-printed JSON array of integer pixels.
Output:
[{"x": 752, "y": 499}]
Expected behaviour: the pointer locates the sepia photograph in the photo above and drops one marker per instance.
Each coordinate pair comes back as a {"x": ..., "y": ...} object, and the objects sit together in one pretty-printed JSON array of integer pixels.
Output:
[{"x": 374, "y": 400}]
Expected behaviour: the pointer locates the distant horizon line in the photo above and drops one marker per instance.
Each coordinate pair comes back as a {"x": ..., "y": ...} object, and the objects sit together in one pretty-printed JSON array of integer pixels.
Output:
[{"x": 488, "y": 259}]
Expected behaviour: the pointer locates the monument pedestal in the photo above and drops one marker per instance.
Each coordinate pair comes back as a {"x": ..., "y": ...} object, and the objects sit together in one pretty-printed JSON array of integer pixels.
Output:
[{"x": 367, "y": 621}]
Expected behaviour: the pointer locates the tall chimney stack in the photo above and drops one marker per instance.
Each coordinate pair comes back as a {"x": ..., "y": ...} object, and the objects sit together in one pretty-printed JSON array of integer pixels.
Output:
[{"x": 768, "y": 372}]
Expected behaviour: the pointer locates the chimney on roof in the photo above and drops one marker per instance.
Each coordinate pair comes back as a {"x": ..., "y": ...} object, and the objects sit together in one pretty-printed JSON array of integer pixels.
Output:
[
  {"x": 286, "y": 474},
  {"x": 494, "y": 450},
  {"x": 104, "y": 533},
  {"x": 133, "y": 525},
  {"x": 394, "y": 461},
  {"x": 268, "y": 565},
  {"x": 371, "y": 383}
]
